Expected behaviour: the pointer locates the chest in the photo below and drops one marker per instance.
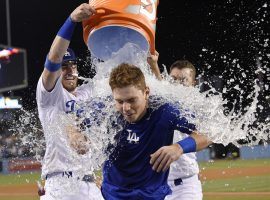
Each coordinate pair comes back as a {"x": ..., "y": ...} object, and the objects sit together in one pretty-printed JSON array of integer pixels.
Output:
[{"x": 151, "y": 133}]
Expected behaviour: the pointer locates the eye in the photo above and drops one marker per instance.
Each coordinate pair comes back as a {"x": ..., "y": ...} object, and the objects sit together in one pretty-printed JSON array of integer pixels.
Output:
[
  {"x": 185, "y": 79},
  {"x": 131, "y": 100},
  {"x": 173, "y": 80},
  {"x": 119, "y": 102}
]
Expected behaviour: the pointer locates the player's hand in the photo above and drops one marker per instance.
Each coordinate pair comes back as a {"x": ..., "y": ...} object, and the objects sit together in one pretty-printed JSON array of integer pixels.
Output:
[
  {"x": 98, "y": 181},
  {"x": 153, "y": 59},
  {"x": 82, "y": 12},
  {"x": 162, "y": 158},
  {"x": 77, "y": 140},
  {"x": 153, "y": 63}
]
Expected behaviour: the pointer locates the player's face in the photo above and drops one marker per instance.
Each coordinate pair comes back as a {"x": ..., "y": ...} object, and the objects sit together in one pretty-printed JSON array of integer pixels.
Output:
[
  {"x": 69, "y": 81},
  {"x": 183, "y": 76},
  {"x": 131, "y": 102}
]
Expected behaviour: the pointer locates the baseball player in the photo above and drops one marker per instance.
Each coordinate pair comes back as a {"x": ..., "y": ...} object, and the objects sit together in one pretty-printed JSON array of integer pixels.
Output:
[
  {"x": 138, "y": 166},
  {"x": 184, "y": 172},
  {"x": 57, "y": 93}
]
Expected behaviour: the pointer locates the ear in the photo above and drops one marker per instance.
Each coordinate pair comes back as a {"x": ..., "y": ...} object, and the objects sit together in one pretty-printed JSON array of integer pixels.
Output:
[{"x": 147, "y": 92}]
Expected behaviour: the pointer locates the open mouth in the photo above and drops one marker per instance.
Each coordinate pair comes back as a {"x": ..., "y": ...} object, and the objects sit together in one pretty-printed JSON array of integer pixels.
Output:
[{"x": 69, "y": 77}]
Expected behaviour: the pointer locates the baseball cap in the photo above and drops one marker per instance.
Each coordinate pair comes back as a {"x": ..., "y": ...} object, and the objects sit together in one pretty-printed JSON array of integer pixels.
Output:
[{"x": 69, "y": 55}]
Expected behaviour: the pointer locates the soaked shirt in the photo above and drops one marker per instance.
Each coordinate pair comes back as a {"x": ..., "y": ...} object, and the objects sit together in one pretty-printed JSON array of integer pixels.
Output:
[
  {"x": 51, "y": 107},
  {"x": 127, "y": 174}
]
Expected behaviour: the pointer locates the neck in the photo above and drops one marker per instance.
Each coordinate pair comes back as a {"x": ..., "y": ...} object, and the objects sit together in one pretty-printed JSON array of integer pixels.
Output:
[
  {"x": 143, "y": 113},
  {"x": 73, "y": 92}
]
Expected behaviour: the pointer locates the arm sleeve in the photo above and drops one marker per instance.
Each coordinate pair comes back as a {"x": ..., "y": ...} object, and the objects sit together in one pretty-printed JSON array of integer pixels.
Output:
[
  {"x": 179, "y": 122},
  {"x": 47, "y": 99}
]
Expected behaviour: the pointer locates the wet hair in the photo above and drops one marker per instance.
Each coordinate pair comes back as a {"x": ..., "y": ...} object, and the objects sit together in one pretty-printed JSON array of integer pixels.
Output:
[
  {"x": 182, "y": 64},
  {"x": 127, "y": 75}
]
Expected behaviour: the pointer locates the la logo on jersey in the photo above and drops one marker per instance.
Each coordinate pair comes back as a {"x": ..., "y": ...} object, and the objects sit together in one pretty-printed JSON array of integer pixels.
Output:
[{"x": 132, "y": 137}]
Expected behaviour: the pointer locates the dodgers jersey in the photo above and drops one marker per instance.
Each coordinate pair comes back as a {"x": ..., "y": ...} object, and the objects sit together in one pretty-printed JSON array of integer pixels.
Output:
[
  {"x": 127, "y": 174},
  {"x": 186, "y": 165},
  {"x": 51, "y": 106}
]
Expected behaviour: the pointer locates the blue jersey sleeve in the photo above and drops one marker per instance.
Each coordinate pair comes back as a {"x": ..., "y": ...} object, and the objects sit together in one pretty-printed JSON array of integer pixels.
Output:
[{"x": 179, "y": 121}]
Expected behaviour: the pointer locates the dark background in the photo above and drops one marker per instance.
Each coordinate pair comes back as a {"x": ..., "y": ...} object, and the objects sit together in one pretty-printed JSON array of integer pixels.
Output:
[{"x": 214, "y": 35}]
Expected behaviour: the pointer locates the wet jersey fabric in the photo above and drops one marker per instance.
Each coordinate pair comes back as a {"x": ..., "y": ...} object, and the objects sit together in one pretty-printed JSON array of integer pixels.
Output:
[
  {"x": 51, "y": 107},
  {"x": 127, "y": 173}
]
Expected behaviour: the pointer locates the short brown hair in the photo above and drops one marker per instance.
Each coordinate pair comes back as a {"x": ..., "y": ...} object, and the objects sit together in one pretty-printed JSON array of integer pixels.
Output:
[
  {"x": 125, "y": 75},
  {"x": 181, "y": 64}
]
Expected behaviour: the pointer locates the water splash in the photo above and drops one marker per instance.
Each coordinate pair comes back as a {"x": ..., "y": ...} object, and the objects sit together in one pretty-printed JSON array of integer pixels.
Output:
[
  {"x": 208, "y": 107},
  {"x": 213, "y": 118}
]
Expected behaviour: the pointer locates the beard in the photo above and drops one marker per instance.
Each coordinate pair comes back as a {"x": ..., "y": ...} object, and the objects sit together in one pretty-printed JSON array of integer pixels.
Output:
[{"x": 70, "y": 86}]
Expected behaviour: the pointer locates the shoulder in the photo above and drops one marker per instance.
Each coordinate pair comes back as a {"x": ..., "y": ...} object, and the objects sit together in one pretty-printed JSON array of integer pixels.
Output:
[
  {"x": 58, "y": 85},
  {"x": 169, "y": 108},
  {"x": 84, "y": 91},
  {"x": 162, "y": 105},
  {"x": 48, "y": 98}
]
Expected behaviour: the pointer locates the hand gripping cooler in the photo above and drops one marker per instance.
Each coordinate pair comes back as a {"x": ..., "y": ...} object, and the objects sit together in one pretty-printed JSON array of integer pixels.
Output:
[{"x": 118, "y": 22}]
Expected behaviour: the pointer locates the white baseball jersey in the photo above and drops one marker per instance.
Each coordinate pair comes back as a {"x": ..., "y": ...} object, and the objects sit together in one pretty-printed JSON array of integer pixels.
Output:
[
  {"x": 186, "y": 168},
  {"x": 186, "y": 165},
  {"x": 51, "y": 107}
]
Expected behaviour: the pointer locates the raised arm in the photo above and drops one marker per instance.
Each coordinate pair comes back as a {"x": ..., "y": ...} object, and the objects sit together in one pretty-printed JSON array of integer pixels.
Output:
[
  {"x": 153, "y": 63},
  {"x": 52, "y": 70}
]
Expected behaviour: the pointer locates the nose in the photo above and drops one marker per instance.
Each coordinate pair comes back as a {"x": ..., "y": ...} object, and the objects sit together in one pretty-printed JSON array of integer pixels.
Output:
[
  {"x": 126, "y": 106},
  {"x": 68, "y": 69},
  {"x": 74, "y": 70}
]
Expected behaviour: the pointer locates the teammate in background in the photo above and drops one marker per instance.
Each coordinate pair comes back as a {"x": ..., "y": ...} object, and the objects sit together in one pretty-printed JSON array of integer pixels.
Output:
[
  {"x": 56, "y": 92},
  {"x": 138, "y": 166},
  {"x": 184, "y": 172}
]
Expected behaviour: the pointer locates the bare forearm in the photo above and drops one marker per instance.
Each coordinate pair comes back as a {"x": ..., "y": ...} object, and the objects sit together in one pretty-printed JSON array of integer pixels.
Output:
[
  {"x": 156, "y": 71},
  {"x": 60, "y": 45},
  {"x": 52, "y": 70},
  {"x": 201, "y": 141},
  {"x": 55, "y": 55},
  {"x": 153, "y": 63},
  {"x": 58, "y": 49}
]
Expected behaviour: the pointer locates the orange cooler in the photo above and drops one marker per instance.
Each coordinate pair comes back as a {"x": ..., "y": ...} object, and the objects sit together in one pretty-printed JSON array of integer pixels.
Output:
[{"x": 118, "y": 22}]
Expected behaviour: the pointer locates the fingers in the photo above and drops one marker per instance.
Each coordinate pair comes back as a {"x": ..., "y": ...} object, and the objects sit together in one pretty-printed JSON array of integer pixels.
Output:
[
  {"x": 98, "y": 181},
  {"x": 80, "y": 143},
  {"x": 163, "y": 163},
  {"x": 167, "y": 165},
  {"x": 82, "y": 12},
  {"x": 158, "y": 161},
  {"x": 92, "y": 10},
  {"x": 153, "y": 59},
  {"x": 81, "y": 148},
  {"x": 162, "y": 158},
  {"x": 88, "y": 9},
  {"x": 154, "y": 156}
]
